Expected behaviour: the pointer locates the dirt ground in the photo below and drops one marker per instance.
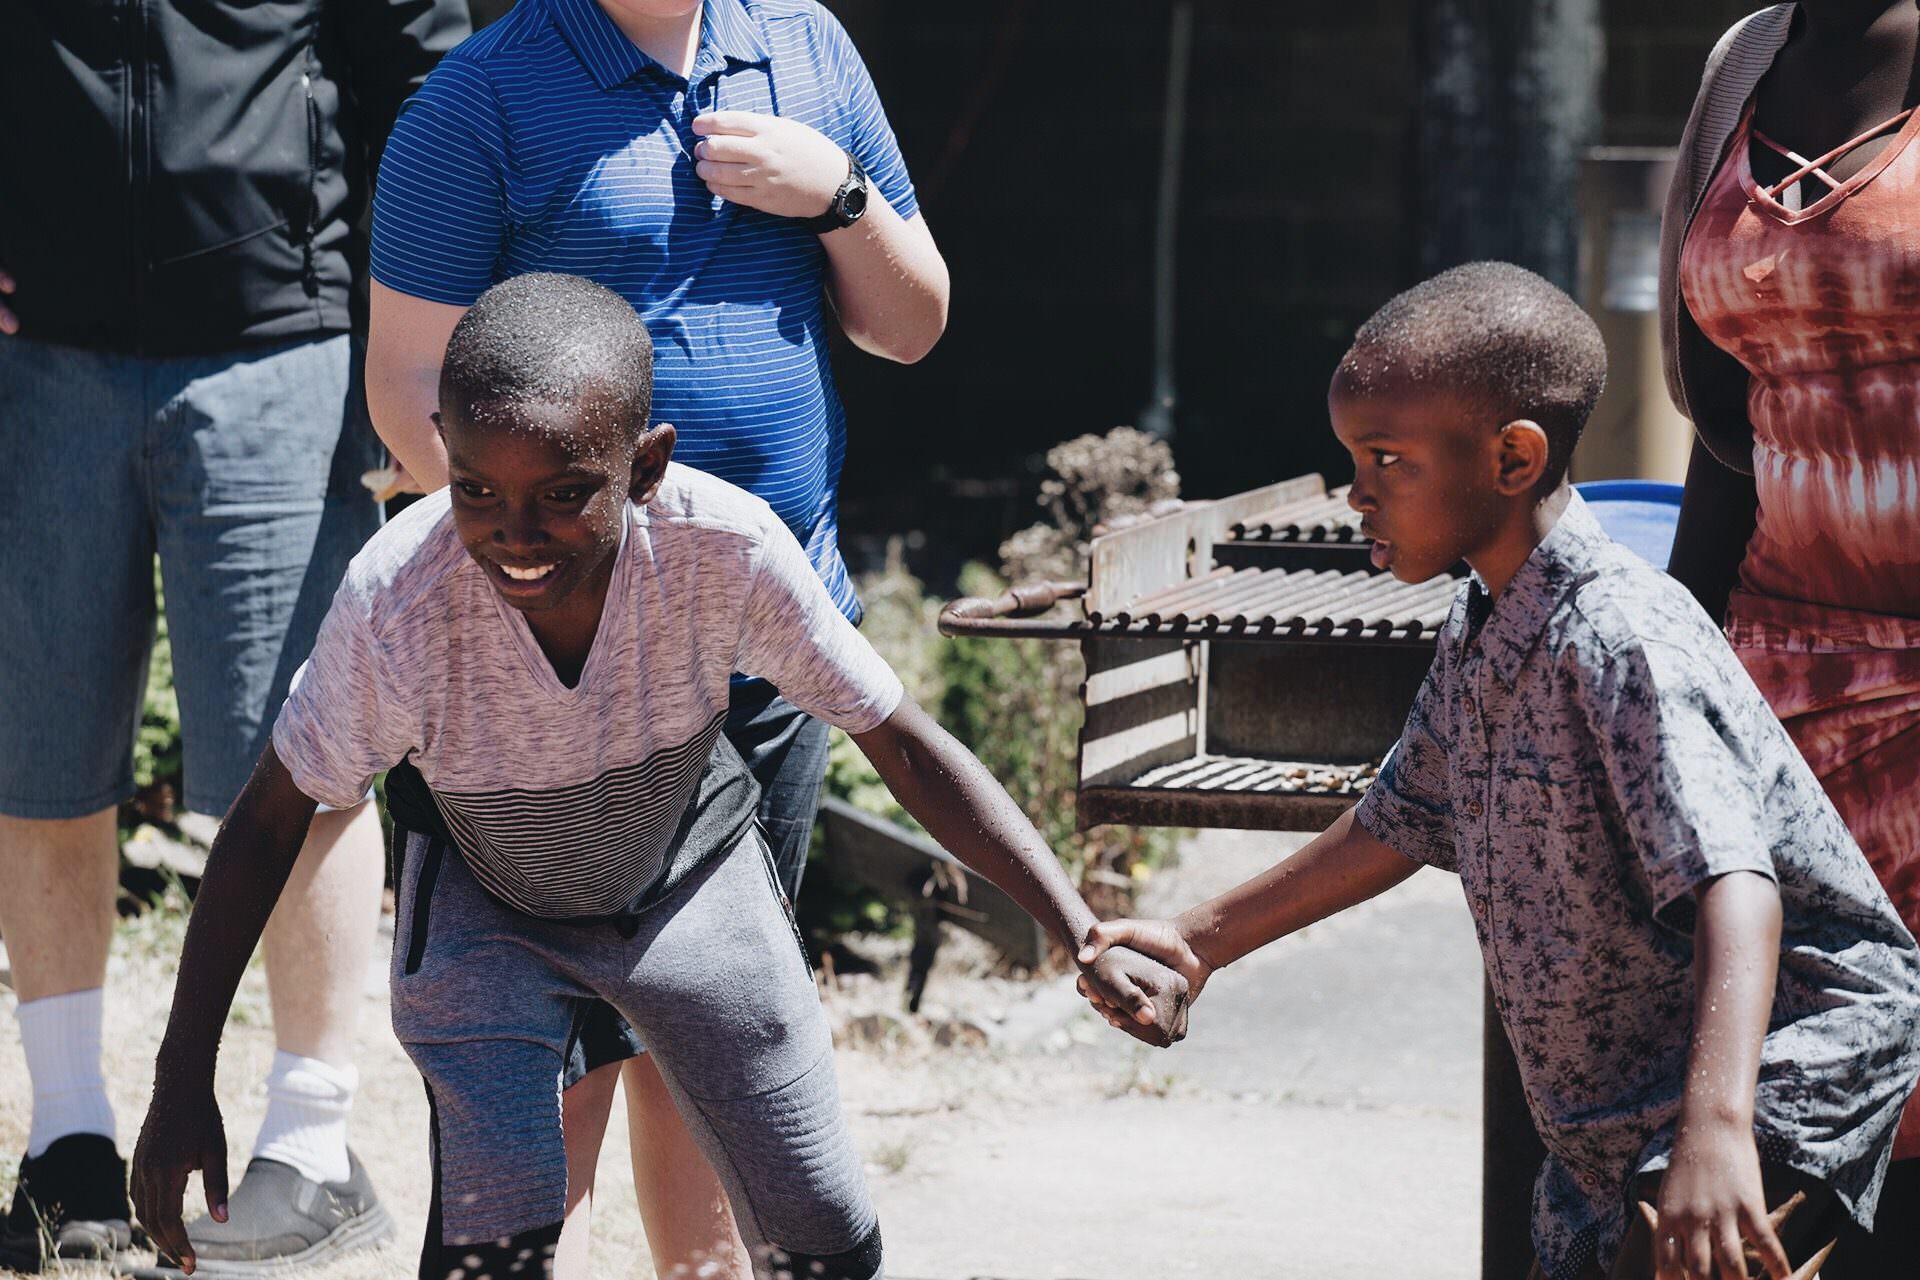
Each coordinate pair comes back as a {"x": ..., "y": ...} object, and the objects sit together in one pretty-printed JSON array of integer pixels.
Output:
[{"x": 1321, "y": 1122}]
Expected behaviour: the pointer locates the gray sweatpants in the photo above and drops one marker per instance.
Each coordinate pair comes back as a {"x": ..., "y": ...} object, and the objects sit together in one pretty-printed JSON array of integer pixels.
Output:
[{"x": 717, "y": 986}]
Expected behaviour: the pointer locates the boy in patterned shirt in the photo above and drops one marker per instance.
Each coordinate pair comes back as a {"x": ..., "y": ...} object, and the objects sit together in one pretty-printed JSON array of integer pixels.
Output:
[
  {"x": 549, "y": 643},
  {"x": 1712, "y": 1001}
]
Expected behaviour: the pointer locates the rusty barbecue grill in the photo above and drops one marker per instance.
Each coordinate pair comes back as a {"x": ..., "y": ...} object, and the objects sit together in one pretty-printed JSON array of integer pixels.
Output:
[{"x": 1246, "y": 665}]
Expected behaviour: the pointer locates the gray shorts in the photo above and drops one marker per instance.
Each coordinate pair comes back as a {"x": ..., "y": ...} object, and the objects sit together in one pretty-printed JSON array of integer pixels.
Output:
[
  {"x": 786, "y": 751},
  {"x": 484, "y": 1000},
  {"x": 242, "y": 472}
]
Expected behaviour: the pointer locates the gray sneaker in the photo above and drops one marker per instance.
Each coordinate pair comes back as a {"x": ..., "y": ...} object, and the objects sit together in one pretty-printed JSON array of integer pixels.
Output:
[{"x": 278, "y": 1219}]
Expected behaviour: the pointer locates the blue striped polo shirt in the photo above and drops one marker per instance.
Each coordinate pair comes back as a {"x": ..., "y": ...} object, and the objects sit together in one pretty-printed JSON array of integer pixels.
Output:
[{"x": 550, "y": 142}]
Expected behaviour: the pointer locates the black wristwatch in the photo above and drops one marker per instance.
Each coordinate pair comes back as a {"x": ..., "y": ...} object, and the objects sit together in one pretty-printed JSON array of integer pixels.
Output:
[{"x": 849, "y": 203}]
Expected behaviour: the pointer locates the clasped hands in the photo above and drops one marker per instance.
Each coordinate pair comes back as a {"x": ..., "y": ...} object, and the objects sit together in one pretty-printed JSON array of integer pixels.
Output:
[{"x": 1129, "y": 999}]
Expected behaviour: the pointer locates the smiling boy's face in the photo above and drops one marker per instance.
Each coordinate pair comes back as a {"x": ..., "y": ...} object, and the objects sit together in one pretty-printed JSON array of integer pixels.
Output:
[
  {"x": 539, "y": 494},
  {"x": 1426, "y": 466}
]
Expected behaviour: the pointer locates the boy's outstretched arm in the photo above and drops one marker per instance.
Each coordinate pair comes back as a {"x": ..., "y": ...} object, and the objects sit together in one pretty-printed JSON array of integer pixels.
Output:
[
  {"x": 971, "y": 815},
  {"x": 1339, "y": 868},
  {"x": 248, "y": 867},
  {"x": 1711, "y": 1197}
]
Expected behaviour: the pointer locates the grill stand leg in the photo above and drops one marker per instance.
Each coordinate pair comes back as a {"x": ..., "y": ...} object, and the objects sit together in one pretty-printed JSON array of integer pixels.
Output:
[{"x": 926, "y": 946}]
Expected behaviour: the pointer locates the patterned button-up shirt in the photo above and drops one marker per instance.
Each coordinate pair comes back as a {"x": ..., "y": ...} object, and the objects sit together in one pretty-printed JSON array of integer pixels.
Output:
[{"x": 1585, "y": 752}]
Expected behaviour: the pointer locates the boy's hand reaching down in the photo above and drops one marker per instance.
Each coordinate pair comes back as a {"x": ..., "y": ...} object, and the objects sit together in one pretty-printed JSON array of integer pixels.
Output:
[
  {"x": 183, "y": 1133},
  {"x": 1154, "y": 996}
]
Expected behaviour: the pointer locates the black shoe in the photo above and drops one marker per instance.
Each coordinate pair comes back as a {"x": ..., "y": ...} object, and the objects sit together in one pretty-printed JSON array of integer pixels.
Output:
[
  {"x": 69, "y": 1202},
  {"x": 278, "y": 1218}
]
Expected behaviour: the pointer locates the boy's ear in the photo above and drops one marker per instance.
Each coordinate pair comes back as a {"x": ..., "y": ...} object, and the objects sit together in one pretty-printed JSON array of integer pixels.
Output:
[
  {"x": 650, "y": 460},
  {"x": 439, "y": 426},
  {"x": 1522, "y": 457}
]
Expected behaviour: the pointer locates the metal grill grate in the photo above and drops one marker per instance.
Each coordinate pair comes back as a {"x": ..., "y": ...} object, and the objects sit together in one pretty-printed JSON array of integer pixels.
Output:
[
  {"x": 1325, "y": 518},
  {"x": 1322, "y": 604},
  {"x": 1237, "y": 773}
]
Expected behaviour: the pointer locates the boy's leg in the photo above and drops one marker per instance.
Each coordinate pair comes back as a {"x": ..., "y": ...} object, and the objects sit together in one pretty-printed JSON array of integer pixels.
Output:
[
  {"x": 723, "y": 997},
  {"x": 255, "y": 474},
  {"x": 681, "y": 1202},
  {"x": 684, "y": 1207},
  {"x": 585, "y": 1106},
  {"x": 483, "y": 1002},
  {"x": 76, "y": 620}
]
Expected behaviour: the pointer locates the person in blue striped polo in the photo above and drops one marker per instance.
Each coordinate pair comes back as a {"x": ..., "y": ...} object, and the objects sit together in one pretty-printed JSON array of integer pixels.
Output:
[{"x": 726, "y": 167}]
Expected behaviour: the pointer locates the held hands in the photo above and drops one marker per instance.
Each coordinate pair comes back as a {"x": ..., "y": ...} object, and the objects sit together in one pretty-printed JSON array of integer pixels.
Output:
[
  {"x": 1154, "y": 996},
  {"x": 1135, "y": 1010},
  {"x": 777, "y": 166},
  {"x": 183, "y": 1133},
  {"x": 1710, "y": 1202}
]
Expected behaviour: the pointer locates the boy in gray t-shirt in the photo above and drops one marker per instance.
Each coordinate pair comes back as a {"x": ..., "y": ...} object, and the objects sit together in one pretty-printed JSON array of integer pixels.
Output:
[
  {"x": 548, "y": 644},
  {"x": 1712, "y": 1001}
]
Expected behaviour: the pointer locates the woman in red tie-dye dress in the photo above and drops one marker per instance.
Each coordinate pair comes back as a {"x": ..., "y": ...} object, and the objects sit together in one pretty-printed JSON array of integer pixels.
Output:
[{"x": 1791, "y": 295}]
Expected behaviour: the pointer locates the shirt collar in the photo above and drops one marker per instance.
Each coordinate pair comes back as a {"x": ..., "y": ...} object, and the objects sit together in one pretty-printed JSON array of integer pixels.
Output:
[
  {"x": 727, "y": 34},
  {"x": 1565, "y": 558}
]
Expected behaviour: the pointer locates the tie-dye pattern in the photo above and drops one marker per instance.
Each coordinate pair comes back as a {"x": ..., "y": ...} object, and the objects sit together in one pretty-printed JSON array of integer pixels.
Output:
[
  {"x": 1822, "y": 307},
  {"x": 1847, "y": 686}
]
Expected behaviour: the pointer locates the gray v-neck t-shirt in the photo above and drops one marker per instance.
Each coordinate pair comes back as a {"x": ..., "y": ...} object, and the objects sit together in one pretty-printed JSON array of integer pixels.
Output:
[{"x": 565, "y": 801}]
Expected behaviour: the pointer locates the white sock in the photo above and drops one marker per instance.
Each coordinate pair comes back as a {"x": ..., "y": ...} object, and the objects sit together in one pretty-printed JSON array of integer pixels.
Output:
[
  {"x": 306, "y": 1121},
  {"x": 61, "y": 1036}
]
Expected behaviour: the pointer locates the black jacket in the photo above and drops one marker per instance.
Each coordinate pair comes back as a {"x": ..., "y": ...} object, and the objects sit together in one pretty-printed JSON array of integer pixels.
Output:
[{"x": 184, "y": 177}]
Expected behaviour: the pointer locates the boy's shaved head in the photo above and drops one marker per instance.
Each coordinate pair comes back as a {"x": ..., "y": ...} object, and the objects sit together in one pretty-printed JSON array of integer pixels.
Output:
[
  {"x": 548, "y": 339},
  {"x": 1498, "y": 337}
]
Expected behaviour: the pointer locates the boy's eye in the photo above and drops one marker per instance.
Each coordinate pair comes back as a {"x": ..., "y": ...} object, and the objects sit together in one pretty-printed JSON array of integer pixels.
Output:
[
  {"x": 1381, "y": 458},
  {"x": 567, "y": 495},
  {"x": 468, "y": 489}
]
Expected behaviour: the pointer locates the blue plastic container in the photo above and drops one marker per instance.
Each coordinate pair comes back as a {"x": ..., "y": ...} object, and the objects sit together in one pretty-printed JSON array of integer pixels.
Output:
[{"x": 1640, "y": 514}]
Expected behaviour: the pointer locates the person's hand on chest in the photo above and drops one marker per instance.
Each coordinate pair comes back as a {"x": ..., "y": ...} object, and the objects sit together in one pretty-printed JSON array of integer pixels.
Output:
[{"x": 776, "y": 165}]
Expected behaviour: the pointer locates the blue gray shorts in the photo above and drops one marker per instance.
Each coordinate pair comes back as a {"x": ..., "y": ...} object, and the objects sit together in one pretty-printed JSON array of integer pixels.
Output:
[
  {"x": 786, "y": 751},
  {"x": 241, "y": 471},
  {"x": 713, "y": 979}
]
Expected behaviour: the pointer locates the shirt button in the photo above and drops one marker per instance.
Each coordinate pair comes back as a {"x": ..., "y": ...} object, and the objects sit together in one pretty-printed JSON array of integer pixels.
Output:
[
  {"x": 1474, "y": 809},
  {"x": 1466, "y": 704},
  {"x": 1590, "y": 1182}
]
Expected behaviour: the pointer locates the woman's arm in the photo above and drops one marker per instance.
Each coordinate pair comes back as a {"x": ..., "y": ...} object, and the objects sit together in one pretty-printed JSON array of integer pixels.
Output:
[
  {"x": 406, "y": 342},
  {"x": 1717, "y": 515}
]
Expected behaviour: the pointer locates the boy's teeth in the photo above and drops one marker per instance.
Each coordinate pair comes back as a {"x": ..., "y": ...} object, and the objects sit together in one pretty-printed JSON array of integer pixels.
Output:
[{"x": 526, "y": 575}]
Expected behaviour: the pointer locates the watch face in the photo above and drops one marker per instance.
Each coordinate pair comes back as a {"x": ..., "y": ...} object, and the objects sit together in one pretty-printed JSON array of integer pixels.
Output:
[{"x": 854, "y": 203}]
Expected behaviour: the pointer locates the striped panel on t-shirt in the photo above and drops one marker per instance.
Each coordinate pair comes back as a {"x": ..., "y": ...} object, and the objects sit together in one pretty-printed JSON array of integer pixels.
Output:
[{"x": 583, "y": 850}]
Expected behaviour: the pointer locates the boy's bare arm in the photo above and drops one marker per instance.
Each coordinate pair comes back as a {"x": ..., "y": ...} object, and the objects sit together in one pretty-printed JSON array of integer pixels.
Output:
[
  {"x": 1711, "y": 1196},
  {"x": 251, "y": 859},
  {"x": 971, "y": 815},
  {"x": 1339, "y": 868}
]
